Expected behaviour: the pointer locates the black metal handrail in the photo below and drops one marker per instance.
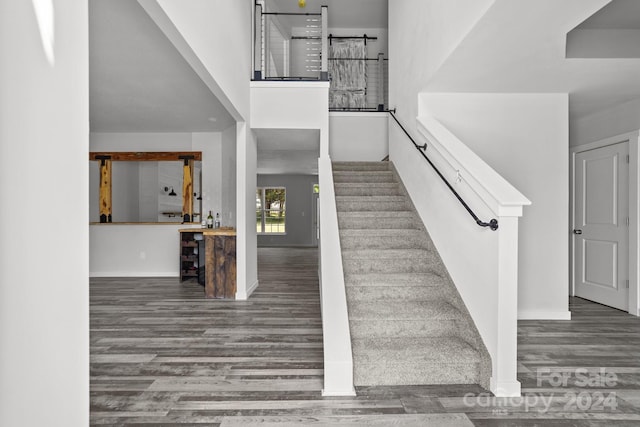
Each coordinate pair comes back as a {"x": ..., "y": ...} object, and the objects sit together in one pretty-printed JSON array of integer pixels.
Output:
[{"x": 492, "y": 224}]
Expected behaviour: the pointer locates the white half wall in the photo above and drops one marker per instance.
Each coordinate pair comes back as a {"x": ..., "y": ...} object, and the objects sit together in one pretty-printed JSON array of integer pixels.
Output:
[
  {"x": 358, "y": 136},
  {"x": 139, "y": 253},
  {"x": 129, "y": 250},
  {"x": 44, "y": 150},
  {"x": 524, "y": 137}
]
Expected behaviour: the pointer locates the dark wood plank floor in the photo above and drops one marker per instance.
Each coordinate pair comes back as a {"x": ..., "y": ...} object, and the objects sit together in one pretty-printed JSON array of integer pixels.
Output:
[{"x": 162, "y": 355}]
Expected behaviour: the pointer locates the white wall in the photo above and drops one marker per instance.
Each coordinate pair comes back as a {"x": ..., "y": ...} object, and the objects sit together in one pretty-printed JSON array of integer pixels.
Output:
[
  {"x": 292, "y": 105},
  {"x": 524, "y": 137},
  {"x": 215, "y": 38},
  {"x": 358, "y": 136},
  {"x": 513, "y": 133},
  {"x": 44, "y": 290},
  {"x": 128, "y": 250},
  {"x": 125, "y": 190},
  {"x": 616, "y": 120},
  {"x": 437, "y": 27},
  {"x": 228, "y": 176}
]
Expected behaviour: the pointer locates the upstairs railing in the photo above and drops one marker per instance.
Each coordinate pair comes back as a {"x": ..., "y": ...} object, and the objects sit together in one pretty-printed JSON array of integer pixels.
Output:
[
  {"x": 296, "y": 46},
  {"x": 290, "y": 46},
  {"x": 492, "y": 224}
]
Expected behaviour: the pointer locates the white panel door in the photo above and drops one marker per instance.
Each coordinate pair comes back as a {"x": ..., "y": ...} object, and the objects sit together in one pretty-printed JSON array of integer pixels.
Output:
[{"x": 601, "y": 230}]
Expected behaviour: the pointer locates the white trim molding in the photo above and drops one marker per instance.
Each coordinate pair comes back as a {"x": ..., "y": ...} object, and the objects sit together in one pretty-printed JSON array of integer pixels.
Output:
[
  {"x": 633, "y": 139},
  {"x": 544, "y": 315},
  {"x": 242, "y": 296}
]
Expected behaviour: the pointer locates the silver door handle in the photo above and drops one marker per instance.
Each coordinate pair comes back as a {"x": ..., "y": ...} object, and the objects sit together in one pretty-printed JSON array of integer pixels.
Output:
[{"x": 577, "y": 231}]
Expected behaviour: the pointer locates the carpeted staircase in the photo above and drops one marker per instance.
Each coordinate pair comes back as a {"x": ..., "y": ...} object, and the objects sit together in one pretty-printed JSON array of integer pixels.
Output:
[{"x": 408, "y": 322}]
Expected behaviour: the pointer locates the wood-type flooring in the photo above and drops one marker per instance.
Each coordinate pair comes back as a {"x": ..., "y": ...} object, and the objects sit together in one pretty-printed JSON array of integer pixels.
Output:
[{"x": 163, "y": 355}]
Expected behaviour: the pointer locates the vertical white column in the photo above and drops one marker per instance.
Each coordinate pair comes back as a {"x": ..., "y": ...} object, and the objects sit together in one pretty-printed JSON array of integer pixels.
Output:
[
  {"x": 44, "y": 221},
  {"x": 504, "y": 380}
]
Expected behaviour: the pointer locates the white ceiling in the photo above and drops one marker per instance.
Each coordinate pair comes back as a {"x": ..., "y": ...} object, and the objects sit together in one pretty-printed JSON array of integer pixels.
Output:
[
  {"x": 138, "y": 80},
  {"x": 617, "y": 15}
]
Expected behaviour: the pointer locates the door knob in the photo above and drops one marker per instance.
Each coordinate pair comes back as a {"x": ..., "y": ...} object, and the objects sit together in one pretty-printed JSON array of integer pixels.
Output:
[{"x": 577, "y": 231}]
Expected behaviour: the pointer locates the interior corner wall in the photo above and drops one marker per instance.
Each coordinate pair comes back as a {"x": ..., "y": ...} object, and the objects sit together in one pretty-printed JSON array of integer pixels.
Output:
[
  {"x": 228, "y": 177},
  {"x": 603, "y": 124},
  {"x": 299, "y": 213},
  {"x": 436, "y": 28},
  {"x": 247, "y": 244},
  {"x": 44, "y": 151},
  {"x": 219, "y": 34},
  {"x": 524, "y": 137},
  {"x": 358, "y": 136}
]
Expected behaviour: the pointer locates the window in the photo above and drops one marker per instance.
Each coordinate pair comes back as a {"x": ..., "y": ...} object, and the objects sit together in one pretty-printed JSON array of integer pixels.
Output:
[{"x": 271, "y": 210}]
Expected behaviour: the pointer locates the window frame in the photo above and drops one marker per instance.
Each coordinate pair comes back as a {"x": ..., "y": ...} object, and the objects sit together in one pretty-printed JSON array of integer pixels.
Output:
[{"x": 263, "y": 210}]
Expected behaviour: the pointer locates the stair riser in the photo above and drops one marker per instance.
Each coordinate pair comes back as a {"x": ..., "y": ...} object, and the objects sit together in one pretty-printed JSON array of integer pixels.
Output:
[
  {"x": 396, "y": 280},
  {"x": 355, "y": 223},
  {"x": 356, "y": 266},
  {"x": 357, "y": 166},
  {"x": 402, "y": 328},
  {"x": 369, "y": 190},
  {"x": 373, "y": 206},
  {"x": 366, "y": 178},
  {"x": 397, "y": 293},
  {"x": 402, "y": 374},
  {"x": 415, "y": 241}
]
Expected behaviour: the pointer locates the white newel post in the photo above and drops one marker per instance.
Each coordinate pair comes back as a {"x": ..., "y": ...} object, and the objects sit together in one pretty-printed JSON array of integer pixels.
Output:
[{"x": 504, "y": 381}]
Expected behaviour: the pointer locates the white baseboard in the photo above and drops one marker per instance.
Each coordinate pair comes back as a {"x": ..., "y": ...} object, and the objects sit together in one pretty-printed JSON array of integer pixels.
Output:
[
  {"x": 133, "y": 274},
  {"x": 245, "y": 295},
  {"x": 544, "y": 315},
  {"x": 326, "y": 393},
  {"x": 504, "y": 388}
]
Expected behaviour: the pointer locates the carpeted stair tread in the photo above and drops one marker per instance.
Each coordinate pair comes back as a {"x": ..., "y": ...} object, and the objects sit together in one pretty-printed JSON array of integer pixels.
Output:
[
  {"x": 371, "y": 203},
  {"x": 397, "y": 328},
  {"x": 403, "y": 310},
  {"x": 367, "y": 189},
  {"x": 406, "y": 350},
  {"x": 356, "y": 166},
  {"x": 362, "y": 176},
  {"x": 403, "y": 254},
  {"x": 397, "y": 293},
  {"x": 383, "y": 239},
  {"x": 374, "y": 220},
  {"x": 395, "y": 280}
]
